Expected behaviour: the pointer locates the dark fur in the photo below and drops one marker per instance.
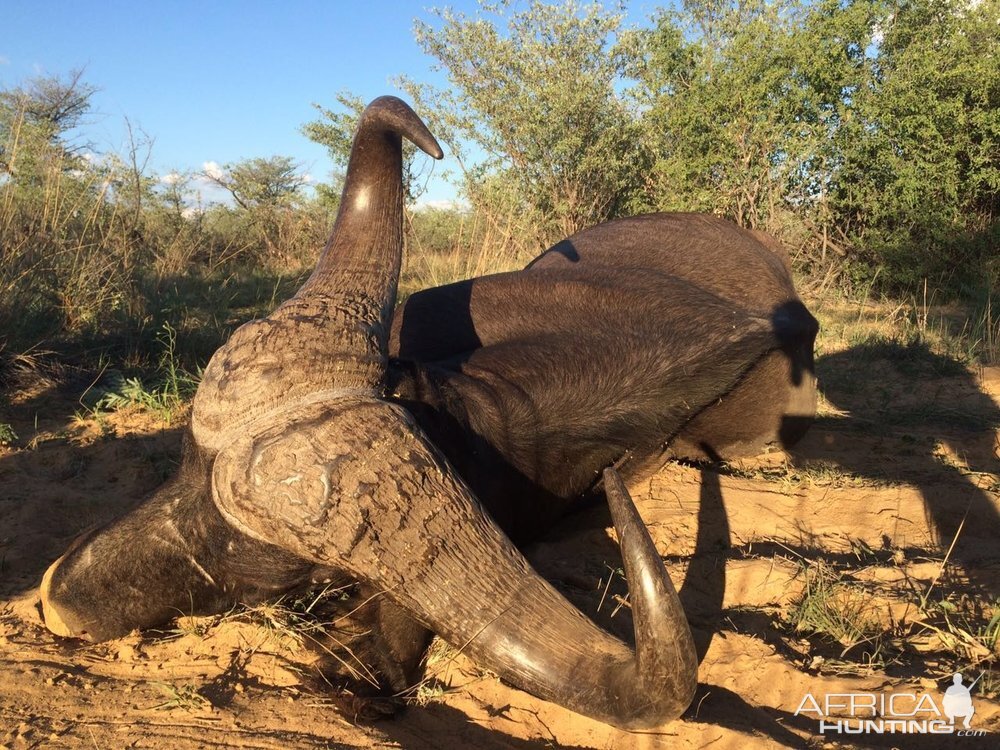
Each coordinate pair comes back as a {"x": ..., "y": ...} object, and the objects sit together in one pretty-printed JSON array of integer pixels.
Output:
[{"x": 655, "y": 336}]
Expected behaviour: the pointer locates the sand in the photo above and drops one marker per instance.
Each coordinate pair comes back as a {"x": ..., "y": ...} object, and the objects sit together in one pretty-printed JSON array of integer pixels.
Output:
[{"x": 899, "y": 466}]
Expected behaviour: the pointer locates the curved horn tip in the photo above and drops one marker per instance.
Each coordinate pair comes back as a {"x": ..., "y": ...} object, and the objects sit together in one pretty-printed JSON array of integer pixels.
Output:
[
  {"x": 394, "y": 113},
  {"x": 50, "y": 614},
  {"x": 665, "y": 651}
]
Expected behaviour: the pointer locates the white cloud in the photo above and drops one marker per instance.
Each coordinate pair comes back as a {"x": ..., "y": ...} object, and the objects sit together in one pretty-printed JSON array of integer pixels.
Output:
[
  {"x": 213, "y": 170},
  {"x": 307, "y": 178},
  {"x": 442, "y": 205},
  {"x": 171, "y": 178}
]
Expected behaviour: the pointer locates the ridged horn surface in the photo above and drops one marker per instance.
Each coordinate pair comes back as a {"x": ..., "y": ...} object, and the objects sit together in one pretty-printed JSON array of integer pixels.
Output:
[
  {"x": 332, "y": 335},
  {"x": 355, "y": 484}
]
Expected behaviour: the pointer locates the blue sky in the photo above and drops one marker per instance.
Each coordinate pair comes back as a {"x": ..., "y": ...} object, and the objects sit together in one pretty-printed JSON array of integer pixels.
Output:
[{"x": 216, "y": 81}]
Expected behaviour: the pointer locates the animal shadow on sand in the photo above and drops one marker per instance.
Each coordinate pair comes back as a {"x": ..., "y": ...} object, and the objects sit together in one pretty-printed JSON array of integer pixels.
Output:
[
  {"x": 61, "y": 487},
  {"x": 908, "y": 416},
  {"x": 892, "y": 401}
]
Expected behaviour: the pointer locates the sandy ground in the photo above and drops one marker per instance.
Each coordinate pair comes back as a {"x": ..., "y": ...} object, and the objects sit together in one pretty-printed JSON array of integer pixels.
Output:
[{"x": 902, "y": 462}]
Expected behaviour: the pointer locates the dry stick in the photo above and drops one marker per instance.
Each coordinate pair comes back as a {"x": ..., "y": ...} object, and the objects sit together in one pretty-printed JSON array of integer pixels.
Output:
[
  {"x": 94, "y": 382},
  {"x": 868, "y": 291},
  {"x": 611, "y": 575},
  {"x": 364, "y": 673},
  {"x": 944, "y": 562},
  {"x": 367, "y": 674}
]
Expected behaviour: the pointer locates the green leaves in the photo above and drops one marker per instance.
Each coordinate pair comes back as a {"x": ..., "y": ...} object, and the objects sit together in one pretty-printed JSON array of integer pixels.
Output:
[
  {"x": 868, "y": 127},
  {"x": 534, "y": 95},
  {"x": 261, "y": 182},
  {"x": 919, "y": 181}
]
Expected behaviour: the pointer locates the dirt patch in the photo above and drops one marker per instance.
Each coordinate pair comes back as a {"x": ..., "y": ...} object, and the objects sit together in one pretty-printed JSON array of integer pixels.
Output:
[{"x": 815, "y": 573}]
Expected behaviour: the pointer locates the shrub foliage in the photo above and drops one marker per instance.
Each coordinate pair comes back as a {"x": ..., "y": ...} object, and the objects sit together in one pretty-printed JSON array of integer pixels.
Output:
[{"x": 863, "y": 133}]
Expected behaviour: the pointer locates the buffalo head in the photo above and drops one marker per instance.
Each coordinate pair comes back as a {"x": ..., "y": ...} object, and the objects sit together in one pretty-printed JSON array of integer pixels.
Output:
[{"x": 297, "y": 463}]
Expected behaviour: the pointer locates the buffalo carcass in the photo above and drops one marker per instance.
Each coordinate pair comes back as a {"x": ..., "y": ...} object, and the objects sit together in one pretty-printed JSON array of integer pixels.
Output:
[{"x": 313, "y": 454}]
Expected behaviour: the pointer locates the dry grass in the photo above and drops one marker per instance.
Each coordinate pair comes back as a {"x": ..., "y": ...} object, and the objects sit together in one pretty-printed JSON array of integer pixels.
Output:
[
  {"x": 967, "y": 333},
  {"x": 477, "y": 245},
  {"x": 883, "y": 608},
  {"x": 834, "y": 605},
  {"x": 184, "y": 697}
]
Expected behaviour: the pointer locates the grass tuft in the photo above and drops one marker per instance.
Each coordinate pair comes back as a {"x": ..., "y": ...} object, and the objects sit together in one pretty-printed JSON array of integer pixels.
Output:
[
  {"x": 174, "y": 387},
  {"x": 835, "y": 607},
  {"x": 184, "y": 697}
]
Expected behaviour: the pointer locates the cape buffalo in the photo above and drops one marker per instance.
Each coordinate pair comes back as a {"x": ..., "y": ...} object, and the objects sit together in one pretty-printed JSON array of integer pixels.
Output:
[{"x": 415, "y": 454}]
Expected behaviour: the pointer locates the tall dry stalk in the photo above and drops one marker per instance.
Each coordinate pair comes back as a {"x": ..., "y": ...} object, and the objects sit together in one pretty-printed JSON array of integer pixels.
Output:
[{"x": 480, "y": 244}]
